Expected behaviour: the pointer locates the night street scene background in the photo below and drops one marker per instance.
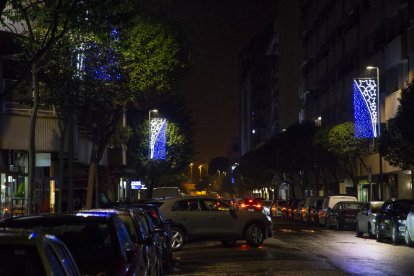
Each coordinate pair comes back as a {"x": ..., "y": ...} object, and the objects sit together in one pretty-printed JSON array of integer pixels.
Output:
[{"x": 287, "y": 102}]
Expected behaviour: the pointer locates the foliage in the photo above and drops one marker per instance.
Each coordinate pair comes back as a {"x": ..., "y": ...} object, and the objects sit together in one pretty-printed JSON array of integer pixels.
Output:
[
  {"x": 179, "y": 135},
  {"x": 395, "y": 149},
  {"x": 152, "y": 55},
  {"x": 342, "y": 141},
  {"x": 397, "y": 139}
]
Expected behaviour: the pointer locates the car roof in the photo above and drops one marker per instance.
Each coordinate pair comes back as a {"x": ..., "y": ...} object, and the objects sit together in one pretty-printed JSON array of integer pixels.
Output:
[{"x": 52, "y": 219}]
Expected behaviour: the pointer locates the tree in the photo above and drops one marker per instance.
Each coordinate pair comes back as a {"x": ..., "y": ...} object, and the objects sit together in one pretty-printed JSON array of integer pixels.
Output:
[
  {"x": 325, "y": 160},
  {"x": 346, "y": 147},
  {"x": 397, "y": 140},
  {"x": 43, "y": 24},
  {"x": 179, "y": 146}
]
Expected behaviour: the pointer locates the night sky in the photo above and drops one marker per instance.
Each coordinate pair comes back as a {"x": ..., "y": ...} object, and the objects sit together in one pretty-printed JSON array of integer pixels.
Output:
[{"x": 218, "y": 30}]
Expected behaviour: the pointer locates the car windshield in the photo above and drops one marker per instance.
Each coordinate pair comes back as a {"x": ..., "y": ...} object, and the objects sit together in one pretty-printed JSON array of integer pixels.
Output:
[
  {"x": 403, "y": 207},
  {"x": 375, "y": 207},
  {"x": 353, "y": 205}
]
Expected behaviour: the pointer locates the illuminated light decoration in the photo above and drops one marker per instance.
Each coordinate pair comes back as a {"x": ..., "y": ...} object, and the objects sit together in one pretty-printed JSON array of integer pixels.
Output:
[
  {"x": 158, "y": 128},
  {"x": 365, "y": 108}
]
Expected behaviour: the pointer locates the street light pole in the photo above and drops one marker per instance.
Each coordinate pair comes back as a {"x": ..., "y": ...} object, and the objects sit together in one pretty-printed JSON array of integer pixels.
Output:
[
  {"x": 380, "y": 180},
  {"x": 149, "y": 150}
]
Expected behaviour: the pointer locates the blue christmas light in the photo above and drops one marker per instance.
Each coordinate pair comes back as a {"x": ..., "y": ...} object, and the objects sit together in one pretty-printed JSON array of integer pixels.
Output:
[
  {"x": 365, "y": 108},
  {"x": 158, "y": 129}
]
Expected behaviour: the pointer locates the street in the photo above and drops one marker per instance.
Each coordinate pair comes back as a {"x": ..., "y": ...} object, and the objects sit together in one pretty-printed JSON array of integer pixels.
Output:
[{"x": 297, "y": 249}]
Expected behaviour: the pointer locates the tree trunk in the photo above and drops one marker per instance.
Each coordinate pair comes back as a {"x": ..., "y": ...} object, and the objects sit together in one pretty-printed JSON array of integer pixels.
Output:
[
  {"x": 61, "y": 165},
  {"x": 32, "y": 138}
]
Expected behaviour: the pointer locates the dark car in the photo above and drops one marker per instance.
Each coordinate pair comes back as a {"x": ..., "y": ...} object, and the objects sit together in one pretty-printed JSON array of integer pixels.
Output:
[
  {"x": 343, "y": 214},
  {"x": 151, "y": 208},
  {"x": 391, "y": 219},
  {"x": 140, "y": 235},
  {"x": 251, "y": 204},
  {"x": 208, "y": 218},
  {"x": 24, "y": 252},
  {"x": 99, "y": 243}
]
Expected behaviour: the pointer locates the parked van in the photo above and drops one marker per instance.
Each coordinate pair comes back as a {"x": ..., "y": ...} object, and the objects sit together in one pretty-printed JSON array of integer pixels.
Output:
[
  {"x": 329, "y": 202},
  {"x": 166, "y": 192}
]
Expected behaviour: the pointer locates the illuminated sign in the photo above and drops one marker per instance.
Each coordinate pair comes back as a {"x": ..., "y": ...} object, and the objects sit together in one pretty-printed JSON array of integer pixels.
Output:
[
  {"x": 137, "y": 185},
  {"x": 366, "y": 108},
  {"x": 158, "y": 129}
]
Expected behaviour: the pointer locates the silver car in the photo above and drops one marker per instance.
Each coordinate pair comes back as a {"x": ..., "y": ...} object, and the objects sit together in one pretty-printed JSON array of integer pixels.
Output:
[
  {"x": 209, "y": 218},
  {"x": 365, "y": 220},
  {"x": 409, "y": 230}
]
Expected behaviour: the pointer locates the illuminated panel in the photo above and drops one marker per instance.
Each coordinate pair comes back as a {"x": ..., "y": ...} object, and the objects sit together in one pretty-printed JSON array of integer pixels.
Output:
[
  {"x": 365, "y": 108},
  {"x": 158, "y": 128}
]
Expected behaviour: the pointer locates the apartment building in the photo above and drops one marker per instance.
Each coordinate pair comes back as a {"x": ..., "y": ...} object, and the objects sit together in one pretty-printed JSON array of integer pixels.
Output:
[{"x": 340, "y": 39}]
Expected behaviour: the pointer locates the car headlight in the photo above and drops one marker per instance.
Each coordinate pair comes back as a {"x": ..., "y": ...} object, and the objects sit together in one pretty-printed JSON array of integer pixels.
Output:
[{"x": 401, "y": 221}]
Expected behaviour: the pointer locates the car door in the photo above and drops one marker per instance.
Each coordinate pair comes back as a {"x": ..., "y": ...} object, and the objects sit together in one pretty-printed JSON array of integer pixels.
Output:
[
  {"x": 186, "y": 212},
  {"x": 363, "y": 217},
  {"x": 384, "y": 218},
  {"x": 217, "y": 219}
]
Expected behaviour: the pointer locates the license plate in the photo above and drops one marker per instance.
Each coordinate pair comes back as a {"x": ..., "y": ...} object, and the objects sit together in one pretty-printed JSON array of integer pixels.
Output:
[{"x": 252, "y": 210}]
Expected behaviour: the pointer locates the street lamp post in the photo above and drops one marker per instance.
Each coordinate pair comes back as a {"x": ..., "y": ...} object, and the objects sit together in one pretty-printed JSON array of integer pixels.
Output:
[
  {"x": 378, "y": 130},
  {"x": 191, "y": 172},
  {"x": 200, "y": 167},
  {"x": 149, "y": 149}
]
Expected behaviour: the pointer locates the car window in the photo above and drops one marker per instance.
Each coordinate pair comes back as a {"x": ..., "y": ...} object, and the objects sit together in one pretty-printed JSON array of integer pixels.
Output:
[
  {"x": 123, "y": 237},
  {"x": 65, "y": 259},
  {"x": 54, "y": 261},
  {"x": 376, "y": 207},
  {"x": 186, "y": 205},
  {"x": 214, "y": 205},
  {"x": 337, "y": 206},
  {"x": 402, "y": 207},
  {"x": 130, "y": 226},
  {"x": 352, "y": 206}
]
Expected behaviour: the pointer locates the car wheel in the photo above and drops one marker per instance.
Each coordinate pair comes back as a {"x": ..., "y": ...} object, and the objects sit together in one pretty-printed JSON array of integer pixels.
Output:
[
  {"x": 358, "y": 233},
  {"x": 408, "y": 239},
  {"x": 394, "y": 235},
  {"x": 379, "y": 234},
  {"x": 231, "y": 243},
  {"x": 177, "y": 241},
  {"x": 254, "y": 235}
]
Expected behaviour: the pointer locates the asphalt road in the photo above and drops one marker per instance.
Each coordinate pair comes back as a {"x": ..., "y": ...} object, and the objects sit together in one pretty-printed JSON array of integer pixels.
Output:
[{"x": 297, "y": 249}]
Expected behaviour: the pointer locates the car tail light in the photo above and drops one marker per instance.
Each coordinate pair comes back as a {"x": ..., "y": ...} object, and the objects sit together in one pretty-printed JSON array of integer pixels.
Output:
[
  {"x": 258, "y": 205},
  {"x": 154, "y": 214},
  {"x": 250, "y": 200},
  {"x": 242, "y": 205}
]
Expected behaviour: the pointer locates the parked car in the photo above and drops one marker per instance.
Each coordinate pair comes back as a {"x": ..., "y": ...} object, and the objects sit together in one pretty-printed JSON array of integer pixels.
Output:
[
  {"x": 329, "y": 202},
  {"x": 25, "y": 252},
  {"x": 343, "y": 214},
  {"x": 409, "y": 231},
  {"x": 391, "y": 219},
  {"x": 288, "y": 212},
  {"x": 159, "y": 221},
  {"x": 165, "y": 192},
  {"x": 277, "y": 207},
  {"x": 143, "y": 241},
  {"x": 251, "y": 204},
  {"x": 313, "y": 212},
  {"x": 365, "y": 220},
  {"x": 209, "y": 218},
  {"x": 99, "y": 243}
]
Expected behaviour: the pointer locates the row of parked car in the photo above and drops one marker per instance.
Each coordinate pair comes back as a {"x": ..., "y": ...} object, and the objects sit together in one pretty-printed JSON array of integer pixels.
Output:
[
  {"x": 393, "y": 218},
  {"x": 127, "y": 240}
]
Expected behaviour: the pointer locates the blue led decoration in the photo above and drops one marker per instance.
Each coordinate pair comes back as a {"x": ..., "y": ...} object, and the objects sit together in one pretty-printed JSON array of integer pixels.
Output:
[
  {"x": 365, "y": 108},
  {"x": 158, "y": 129}
]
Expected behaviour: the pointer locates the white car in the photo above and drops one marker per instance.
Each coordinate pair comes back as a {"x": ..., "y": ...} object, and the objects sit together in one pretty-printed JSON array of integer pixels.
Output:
[
  {"x": 409, "y": 230},
  {"x": 365, "y": 220}
]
